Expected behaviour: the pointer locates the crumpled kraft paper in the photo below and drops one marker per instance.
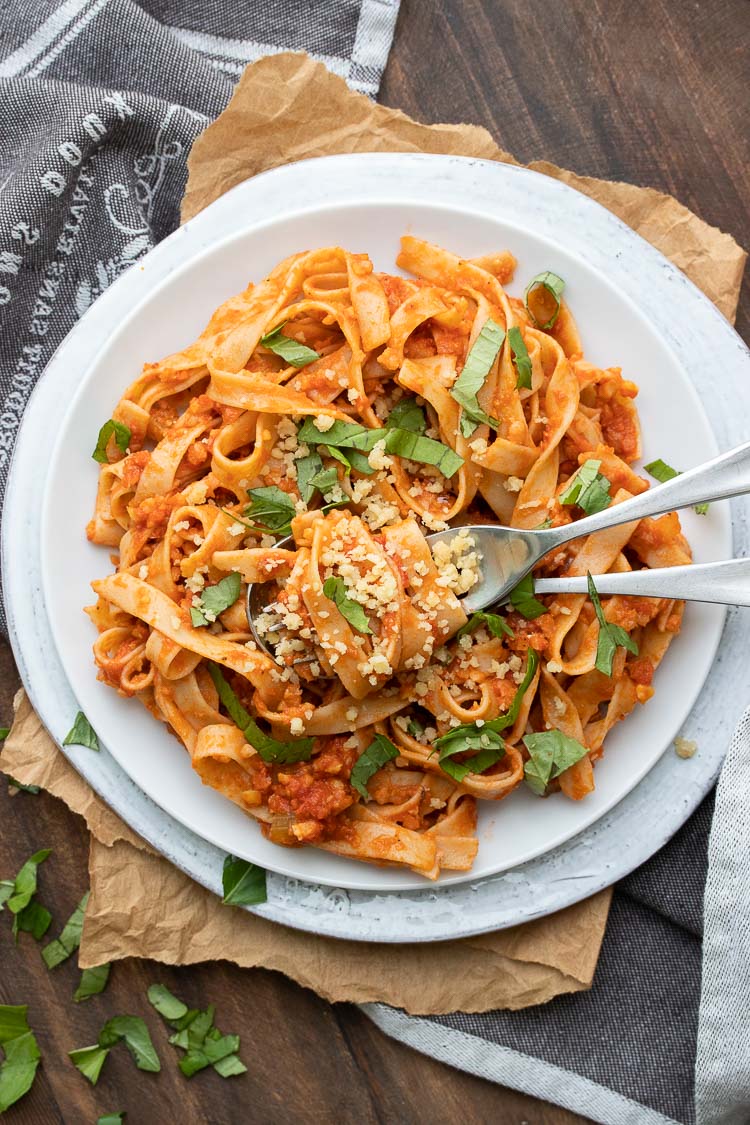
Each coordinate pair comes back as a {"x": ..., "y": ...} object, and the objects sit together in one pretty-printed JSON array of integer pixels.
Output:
[{"x": 289, "y": 108}]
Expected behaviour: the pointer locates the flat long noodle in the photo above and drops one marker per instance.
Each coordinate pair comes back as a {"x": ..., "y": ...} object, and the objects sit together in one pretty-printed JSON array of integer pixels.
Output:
[{"x": 307, "y": 443}]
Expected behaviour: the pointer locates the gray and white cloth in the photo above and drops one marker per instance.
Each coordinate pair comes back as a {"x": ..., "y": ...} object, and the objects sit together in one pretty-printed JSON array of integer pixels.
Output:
[{"x": 101, "y": 102}]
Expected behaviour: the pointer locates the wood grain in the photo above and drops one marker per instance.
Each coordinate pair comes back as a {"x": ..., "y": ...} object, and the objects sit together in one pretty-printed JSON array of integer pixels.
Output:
[{"x": 650, "y": 91}]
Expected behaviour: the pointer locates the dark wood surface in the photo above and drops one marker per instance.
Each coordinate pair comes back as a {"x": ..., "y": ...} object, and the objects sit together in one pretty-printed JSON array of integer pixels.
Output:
[{"x": 650, "y": 91}]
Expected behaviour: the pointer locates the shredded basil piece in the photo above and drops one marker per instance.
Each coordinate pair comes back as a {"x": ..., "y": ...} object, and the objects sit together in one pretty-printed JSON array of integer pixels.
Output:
[
  {"x": 269, "y": 749},
  {"x": 407, "y": 414},
  {"x": 307, "y": 467},
  {"x": 523, "y": 601},
  {"x": 244, "y": 883},
  {"x": 480, "y": 359},
  {"x": 135, "y": 1034},
  {"x": 13, "y": 783},
  {"x": 4, "y": 732},
  {"x": 165, "y": 1003},
  {"x": 271, "y": 509},
  {"x": 663, "y": 472},
  {"x": 121, "y": 434},
  {"x": 610, "y": 636},
  {"x": 350, "y": 435},
  {"x": 93, "y": 981},
  {"x": 486, "y": 739},
  {"x": 380, "y": 751},
  {"x": 335, "y": 589},
  {"x": 111, "y": 1118},
  {"x": 196, "y": 1034},
  {"x": 18, "y": 1068},
  {"x": 325, "y": 480},
  {"x": 34, "y": 919},
  {"x": 398, "y": 440},
  {"x": 81, "y": 733},
  {"x": 414, "y": 728},
  {"x": 69, "y": 940},
  {"x": 549, "y": 283},
  {"x": 296, "y": 354},
  {"x": 89, "y": 1060},
  {"x": 520, "y": 358},
  {"x": 588, "y": 489},
  {"x": 497, "y": 626},
  {"x": 215, "y": 599},
  {"x": 551, "y": 753}
]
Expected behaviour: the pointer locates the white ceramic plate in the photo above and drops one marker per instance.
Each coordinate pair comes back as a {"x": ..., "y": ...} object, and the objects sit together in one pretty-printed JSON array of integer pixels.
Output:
[
  {"x": 170, "y": 316},
  {"x": 176, "y": 303}
]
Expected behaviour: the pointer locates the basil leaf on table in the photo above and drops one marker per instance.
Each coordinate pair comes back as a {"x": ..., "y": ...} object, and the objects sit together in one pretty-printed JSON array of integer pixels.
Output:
[
  {"x": 196, "y": 1034},
  {"x": 133, "y": 1031},
  {"x": 295, "y": 354},
  {"x": 111, "y": 1118},
  {"x": 89, "y": 1060},
  {"x": 380, "y": 751},
  {"x": 270, "y": 749},
  {"x": 480, "y": 359},
  {"x": 69, "y": 940},
  {"x": 18, "y": 1068},
  {"x": 92, "y": 982}
]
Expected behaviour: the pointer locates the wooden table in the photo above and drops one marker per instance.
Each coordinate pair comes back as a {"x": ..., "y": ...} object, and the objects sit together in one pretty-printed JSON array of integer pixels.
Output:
[{"x": 650, "y": 91}]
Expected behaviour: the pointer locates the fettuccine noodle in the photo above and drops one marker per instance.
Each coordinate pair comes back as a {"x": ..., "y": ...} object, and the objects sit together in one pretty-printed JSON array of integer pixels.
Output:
[{"x": 325, "y": 402}]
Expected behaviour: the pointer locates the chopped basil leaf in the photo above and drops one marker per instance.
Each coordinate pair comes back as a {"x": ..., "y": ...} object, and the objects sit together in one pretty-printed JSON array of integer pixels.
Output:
[
  {"x": 307, "y": 468},
  {"x": 93, "y": 981},
  {"x": 111, "y": 1118},
  {"x": 663, "y": 472},
  {"x": 81, "y": 733},
  {"x": 325, "y": 480},
  {"x": 415, "y": 447},
  {"x": 540, "y": 289},
  {"x": 523, "y": 601},
  {"x": 407, "y": 414},
  {"x": 271, "y": 509},
  {"x": 346, "y": 434},
  {"x": 551, "y": 753},
  {"x": 18, "y": 1068},
  {"x": 134, "y": 1032},
  {"x": 89, "y": 1060},
  {"x": 380, "y": 751},
  {"x": 165, "y": 1003},
  {"x": 205, "y": 1045},
  {"x": 230, "y": 1066},
  {"x": 496, "y": 625},
  {"x": 215, "y": 599},
  {"x": 298, "y": 355},
  {"x": 335, "y": 589},
  {"x": 121, "y": 434},
  {"x": 14, "y": 784},
  {"x": 588, "y": 488},
  {"x": 34, "y": 919},
  {"x": 244, "y": 883},
  {"x": 353, "y": 459},
  {"x": 23, "y": 887},
  {"x": 520, "y": 358},
  {"x": 342, "y": 459},
  {"x": 480, "y": 359},
  {"x": 485, "y": 739},
  {"x": 414, "y": 728},
  {"x": 69, "y": 940},
  {"x": 269, "y": 749},
  {"x": 610, "y": 636},
  {"x": 4, "y": 732}
]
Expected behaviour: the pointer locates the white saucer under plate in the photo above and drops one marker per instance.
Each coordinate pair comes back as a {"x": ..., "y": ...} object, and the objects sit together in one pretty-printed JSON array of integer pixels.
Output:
[{"x": 427, "y": 193}]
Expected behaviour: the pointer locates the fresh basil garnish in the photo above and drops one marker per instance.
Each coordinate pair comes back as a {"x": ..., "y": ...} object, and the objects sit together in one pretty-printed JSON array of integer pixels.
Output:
[
  {"x": 496, "y": 625},
  {"x": 407, "y": 414},
  {"x": 93, "y": 981},
  {"x": 545, "y": 291},
  {"x": 121, "y": 434},
  {"x": 243, "y": 883},
  {"x": 195, "y": 1034},
  {"x": 18, "y": 1068},
  {"x": 89, "y": 1060},
  {"x": 335, "y": 589},
  {"x": 325, "y": 480},
  {"x": 480, "y": 359},
  {"x": 269, "y": 749},
  {"x": 523, "y": 601},
  {"x": 271, "y": 510},
  {"x": 588, "y": 489},
  {"x": 402, "y": 442},
  {"x": 663, "y": 472},
  {"x": 297, "y": 355},
  {"x": 551, "y": 753},
  {"x": 69, "y": 940},
  {"x": 380, "y": 751},
  {"x": 81, "y": 733},
  {"x": 133, "y": 1031},
  {"x": 215, "y": 599},
  {"x": 610, "y": 636},
  {"x": 29, "y": 916},
  {"x": 520, "y": 358}
]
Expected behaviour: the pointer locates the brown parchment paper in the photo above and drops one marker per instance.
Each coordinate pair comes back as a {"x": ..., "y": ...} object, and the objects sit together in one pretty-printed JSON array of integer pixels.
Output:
[{"x": 288, "y": 108}]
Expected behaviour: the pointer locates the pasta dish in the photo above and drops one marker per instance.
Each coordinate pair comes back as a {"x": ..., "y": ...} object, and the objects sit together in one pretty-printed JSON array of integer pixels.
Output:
[{"x": 324, "y": 424}]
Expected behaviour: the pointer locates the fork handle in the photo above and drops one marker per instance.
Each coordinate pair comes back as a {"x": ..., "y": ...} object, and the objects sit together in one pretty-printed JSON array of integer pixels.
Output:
[
  {"x": 724, "y": 476},
  {"x": 725, "y": 582}
]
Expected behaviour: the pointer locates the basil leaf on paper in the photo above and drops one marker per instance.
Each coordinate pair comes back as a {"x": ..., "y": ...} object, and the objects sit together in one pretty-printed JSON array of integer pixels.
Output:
[
  {"x": 542, "y": 299},
  {"x": 610, "y": 636},
  {"x": 271, "y": 509},
  {"x": 89, "y": 1060},
  {"x": 523, "y": 601},
  {"x": 121, "y": 434},
  {"x": 92, "y": 982},
  {"x": 663, "y": 472},
  {"x": 398, "y": 440},
  {"x": 18, "y": 1068},
  {"x": 295, "y": 354},
  {"x": 69, "y": 940},
  {"x": 335, "y": 589},
  {"x": 520, "y": 358},
  {"x": 588, "y": 489},
  {"x": 81, "y": 733},
  {"x": 380, "y": 751},
  {"x": 496, "y": 625},
  {"x": 243, "y": 883},
  {"x": 269, "y": 749},
  {"x": 133, "y": 1031},
  {"x": 215, "y": 599},
  {"x": 480, "y": 359},
  {"x": 551, "y": 753}
]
